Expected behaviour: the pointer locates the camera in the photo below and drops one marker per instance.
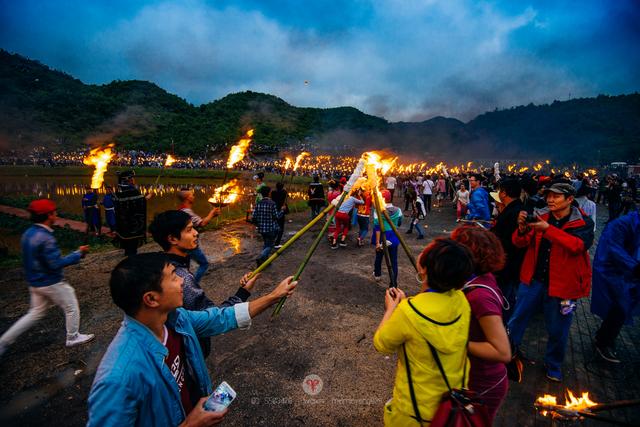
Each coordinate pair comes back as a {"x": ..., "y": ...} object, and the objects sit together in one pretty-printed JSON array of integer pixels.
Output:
[{"x": 532, "y": 218}]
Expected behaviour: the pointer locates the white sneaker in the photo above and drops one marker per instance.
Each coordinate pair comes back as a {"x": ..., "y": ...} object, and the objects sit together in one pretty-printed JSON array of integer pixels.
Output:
[
  {"x": 377, "y": 278},
  {"x": 80, "y": 339}
]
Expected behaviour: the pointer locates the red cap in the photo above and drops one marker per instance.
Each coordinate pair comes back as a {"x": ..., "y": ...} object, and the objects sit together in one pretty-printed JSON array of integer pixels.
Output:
[
  {"x": 41, "y": 206},
  {"x": 343, "y": 180},
  {"x": 386, "y": 195}
]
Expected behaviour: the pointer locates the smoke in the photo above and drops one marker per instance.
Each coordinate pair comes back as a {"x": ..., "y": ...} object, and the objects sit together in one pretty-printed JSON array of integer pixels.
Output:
[{"x": 134, "y": 120}]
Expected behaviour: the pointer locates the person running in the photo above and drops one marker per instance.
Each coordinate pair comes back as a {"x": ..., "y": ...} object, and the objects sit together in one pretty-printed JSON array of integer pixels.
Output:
[
  {"x": 153, "y": 373},
  {"x": 187, "y": 198},
  {"x": 418, "y": 212},
  {"x": 433, "y": 323},
  {"x": 43, "y": 265},
  {"x": 489, "y": 347}
]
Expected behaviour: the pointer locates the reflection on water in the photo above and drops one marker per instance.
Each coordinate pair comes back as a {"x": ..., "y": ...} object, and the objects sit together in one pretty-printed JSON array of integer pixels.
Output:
[
  {"x": 233, "y": 244},
  {"x": 67, "y": 192}
]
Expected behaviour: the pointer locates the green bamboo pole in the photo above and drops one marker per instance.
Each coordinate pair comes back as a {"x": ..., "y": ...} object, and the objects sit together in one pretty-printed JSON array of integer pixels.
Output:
[
  {"x": 383, "y": 239},
  {"x": 311, "y": 250},
  {"x": 402, "y": 242},
  {"x": 290, "y": 242}
]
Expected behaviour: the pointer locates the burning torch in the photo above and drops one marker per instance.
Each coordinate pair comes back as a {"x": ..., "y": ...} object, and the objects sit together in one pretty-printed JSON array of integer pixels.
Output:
[{"x": 99, "y": 158}]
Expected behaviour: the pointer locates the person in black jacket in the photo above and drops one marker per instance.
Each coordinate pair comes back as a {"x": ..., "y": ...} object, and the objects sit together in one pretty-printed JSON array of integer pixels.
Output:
[
  {"x": 279, "y": 196},
  {"x": 508, "y": 278}
]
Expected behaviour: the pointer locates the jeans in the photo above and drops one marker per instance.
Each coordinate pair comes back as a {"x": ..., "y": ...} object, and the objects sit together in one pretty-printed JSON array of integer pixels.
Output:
[
  {"x": 269, "y": 243},
  {"x": 363, "y": 223},
  {"x": 418, "y": 227},
  {"x": 60, "y": 294},
  {"x": 281, "y": 231},
  {"x": 393, "y": 254},
  {"x": 203, "y": 263},
  {"x": 530, "y": 299},
  {"x": 509, "y": 291},
  {"x": 611, "y": 326}
]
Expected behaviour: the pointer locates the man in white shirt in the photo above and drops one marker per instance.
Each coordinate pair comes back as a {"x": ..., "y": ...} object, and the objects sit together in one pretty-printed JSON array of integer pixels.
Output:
[{"x": 427, "y": 191}]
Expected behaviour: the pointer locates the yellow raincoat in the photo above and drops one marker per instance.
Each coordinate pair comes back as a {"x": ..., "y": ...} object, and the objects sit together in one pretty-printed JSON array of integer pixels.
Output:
[{"x": 436, "y": 322}]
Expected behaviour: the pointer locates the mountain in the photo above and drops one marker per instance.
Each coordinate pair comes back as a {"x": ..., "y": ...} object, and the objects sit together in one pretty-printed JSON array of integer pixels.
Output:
[{"x": 44, "y": 107}]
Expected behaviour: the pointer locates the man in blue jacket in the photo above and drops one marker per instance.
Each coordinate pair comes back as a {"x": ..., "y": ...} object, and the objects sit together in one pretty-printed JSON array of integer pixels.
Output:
[
  {"x": 43, "y": 264},
  {"x": 478, "y": 206},
  {"x": 616, "y": 281},
  {"x": 153, "y": 373}
]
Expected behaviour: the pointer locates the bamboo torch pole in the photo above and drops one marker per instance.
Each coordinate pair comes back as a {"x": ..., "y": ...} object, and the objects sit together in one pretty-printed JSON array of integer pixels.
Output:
[
  {"x": 383, "y": 240},
  {"x": 347, "y": 189},
  {"x": 402, "y": 242}
]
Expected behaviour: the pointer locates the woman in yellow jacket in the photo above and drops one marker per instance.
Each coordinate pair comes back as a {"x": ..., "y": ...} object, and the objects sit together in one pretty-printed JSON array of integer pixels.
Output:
[{"x": 440, "y": 315}]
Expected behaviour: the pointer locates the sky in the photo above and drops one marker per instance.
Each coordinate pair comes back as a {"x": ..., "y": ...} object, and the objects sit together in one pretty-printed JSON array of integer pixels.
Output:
[{"x": 403, "y": 60}]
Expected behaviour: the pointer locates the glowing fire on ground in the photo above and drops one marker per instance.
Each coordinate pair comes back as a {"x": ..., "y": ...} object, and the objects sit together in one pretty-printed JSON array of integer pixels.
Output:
[
  {"x": 99, "y": 158},
  {"x": 225, "y": 194},
  {"x": 288, "y": 163},
  {"x": 170, "y": 160},
  {"x": 572, "y": 403},
  {"x": 239, "y": 150}
]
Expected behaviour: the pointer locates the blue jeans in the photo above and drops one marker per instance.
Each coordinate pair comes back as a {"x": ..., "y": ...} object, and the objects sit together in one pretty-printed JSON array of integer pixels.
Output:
[
  {"x": 509, "y": 291},
  {"x": 418, "y": 227},
  {"x": 529, "y": 300},
  {"x": 203, "y": 263},
  {"x": 363, "y": 223},
  {"x": 393, "y": 254},
  {"x": 269, "y": 243}
]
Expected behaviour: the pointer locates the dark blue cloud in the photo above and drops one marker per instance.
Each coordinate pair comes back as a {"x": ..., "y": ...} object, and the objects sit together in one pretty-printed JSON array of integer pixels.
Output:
[{"x": 404, "y": 59}]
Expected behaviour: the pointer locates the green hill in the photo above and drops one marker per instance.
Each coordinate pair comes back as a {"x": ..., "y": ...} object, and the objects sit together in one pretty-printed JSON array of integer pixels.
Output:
[{"x": 44, "y": 107}]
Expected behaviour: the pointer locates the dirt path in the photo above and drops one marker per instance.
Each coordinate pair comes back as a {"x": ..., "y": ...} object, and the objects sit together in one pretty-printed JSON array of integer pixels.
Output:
[
  {"x": 326, "y": 330},
  {"x": 60, "y": 222}
]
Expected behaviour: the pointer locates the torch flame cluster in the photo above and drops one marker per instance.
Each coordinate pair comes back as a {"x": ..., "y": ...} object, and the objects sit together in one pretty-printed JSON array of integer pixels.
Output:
[
  {"x": 299, "y": 159},
  {"x": 225, "y": 194},
  {"x": 375, "y": 163},
  {"x": 239, "y": 150},
  {"x": 572, "y": 403},
  {"x": 99, "y": 158},
  {"x": 169, "y": 161}
]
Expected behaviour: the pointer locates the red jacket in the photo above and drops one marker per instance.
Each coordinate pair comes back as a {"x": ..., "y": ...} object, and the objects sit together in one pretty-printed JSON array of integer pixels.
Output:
[{"x": 569, "y": 263}]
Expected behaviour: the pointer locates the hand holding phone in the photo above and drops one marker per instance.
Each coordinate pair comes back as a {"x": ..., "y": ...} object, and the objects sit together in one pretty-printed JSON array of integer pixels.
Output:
[{"x": 221, "y": 398}]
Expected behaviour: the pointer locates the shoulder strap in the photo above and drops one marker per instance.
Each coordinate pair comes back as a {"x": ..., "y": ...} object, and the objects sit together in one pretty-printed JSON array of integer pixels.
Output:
[
  {"x": 434, "y": 353},
  {"x": 414, "y": 401},
  {"x": 430, "y": 319},
  {"x": 501, "y": 301}
]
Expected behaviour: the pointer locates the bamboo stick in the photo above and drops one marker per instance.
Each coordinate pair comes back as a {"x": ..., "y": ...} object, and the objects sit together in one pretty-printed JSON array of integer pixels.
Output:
[
  {"x": 402, "y": 242},
  {"x": 383, "y": 240}
]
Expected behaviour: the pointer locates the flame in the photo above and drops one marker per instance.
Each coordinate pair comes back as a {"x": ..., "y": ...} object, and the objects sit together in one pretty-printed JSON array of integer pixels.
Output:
[
  {"x": 567, "y": 174},
  {"x": 288, "y": 163},
  {"x": 571, "y": 402},
  {"x": 524, "y": 169},
  {"x": 99, "y": 158},
  {"x": 239, "y": 150},
  {"x": 469, "y": 165},
  {"x": 170, "y": 160},
  {"x": 225, "y": 194},
  {"x": 537, "y": 167},
  {"x": 299, "y": 159},
  {"x": 546, "y": 161},
  {"x": 593, "y": 172}
]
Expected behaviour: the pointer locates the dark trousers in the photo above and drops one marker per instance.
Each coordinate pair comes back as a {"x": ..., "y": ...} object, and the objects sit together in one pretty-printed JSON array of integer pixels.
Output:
[
  {"x": 614, "y": 209},
  {"x": 269, "y": 243},
  {"x": 130, "y": 247},
  {"x": 611, "y": 327},
  {"x": 393, "y": 254},
  {"x": 281, "y": 231},
  {"x": 427, "y": 201}
]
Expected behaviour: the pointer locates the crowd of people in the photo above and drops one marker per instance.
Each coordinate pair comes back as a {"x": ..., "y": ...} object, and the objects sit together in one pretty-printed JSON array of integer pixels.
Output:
[{"x": 521, "y": 246}]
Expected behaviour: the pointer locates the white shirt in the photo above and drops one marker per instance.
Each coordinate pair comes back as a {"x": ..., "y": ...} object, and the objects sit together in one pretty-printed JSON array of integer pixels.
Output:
[
  {"x": 391, "y": 183},
  {"x": 427, "y": 187},
  {"x": 463, "y": 196}
]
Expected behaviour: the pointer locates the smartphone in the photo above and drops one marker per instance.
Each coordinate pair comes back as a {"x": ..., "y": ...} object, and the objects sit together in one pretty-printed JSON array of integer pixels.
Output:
[{"x": 221, "y": 398}]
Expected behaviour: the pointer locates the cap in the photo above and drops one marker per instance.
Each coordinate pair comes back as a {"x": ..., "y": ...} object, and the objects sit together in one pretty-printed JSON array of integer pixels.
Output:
[
  {"x": 496, "y": 196},
  {"x": 41, "y": 206},
  {"x": 343, "y": 180},
  {"x": 561, "y": 188},
  {"x": 386, "y": 195}
]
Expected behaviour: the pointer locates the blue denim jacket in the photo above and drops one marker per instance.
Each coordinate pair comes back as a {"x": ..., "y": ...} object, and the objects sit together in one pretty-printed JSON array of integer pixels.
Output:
[
  {"x": 133, "y": 385},
  {"x": 41, "y": 257}
]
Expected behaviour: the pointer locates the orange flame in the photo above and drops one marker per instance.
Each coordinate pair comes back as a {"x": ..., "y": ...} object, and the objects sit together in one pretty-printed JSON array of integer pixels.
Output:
[
  {"x": 524, "y": 169},
  {"x": 99, "y": 158},
  {"x": 239, "y": 150},
  {"x": 225, "y": 194},
  {"x": 571, "y": 402},
  {"x": 170, "y": 160},
  {"x": 537, "y": 167},
  {"x": 288, "y": 163},
  {"x": 299, "y": 159}
]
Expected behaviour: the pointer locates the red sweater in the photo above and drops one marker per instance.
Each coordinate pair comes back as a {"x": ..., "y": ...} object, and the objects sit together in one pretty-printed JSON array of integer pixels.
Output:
[{"x": 569, "y": 263}]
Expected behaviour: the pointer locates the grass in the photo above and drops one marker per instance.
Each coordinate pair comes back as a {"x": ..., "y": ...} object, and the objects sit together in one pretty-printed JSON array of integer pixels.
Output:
[
  {"x": 11, "y": 227},
  {"x": 140, "y": 172}
]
